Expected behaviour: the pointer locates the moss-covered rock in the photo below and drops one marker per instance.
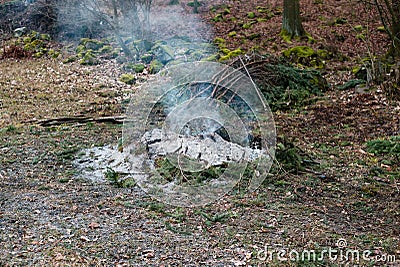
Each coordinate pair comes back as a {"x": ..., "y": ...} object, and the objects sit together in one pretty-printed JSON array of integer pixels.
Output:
[
  {"x": 155, "y": 66},
  {"x": 146, "y": 58},
  {"x": 139, "y": 68},
  {"x": 231, "y": 54},
  {"x": 219, "y": 41},
  {"x": 92, "y": 44},
  {"x": 163, "y": 53},
  {"x": 106, "y": 49},
  {"x": 306, "y": 56},
  {"x": 143, "y": 46},
  {"x": 53, "y": 53},
  {"x": 89, "y": 59},
  {"x": 127, "y": 78}
]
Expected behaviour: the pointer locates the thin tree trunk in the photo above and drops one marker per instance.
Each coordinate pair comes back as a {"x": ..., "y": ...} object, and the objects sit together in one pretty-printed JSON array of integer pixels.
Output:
[
  {"x": 291, "y": 24},
  {"x": 395, "y": 49}
]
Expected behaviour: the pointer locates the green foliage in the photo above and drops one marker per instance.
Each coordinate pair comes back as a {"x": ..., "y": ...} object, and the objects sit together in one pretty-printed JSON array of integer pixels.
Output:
[
  {"x": 288, "y": 155},
  {"x": 127, "y": 78},
  {"x": 285, "y": 86},
  {"x": 390, "y": 146}
]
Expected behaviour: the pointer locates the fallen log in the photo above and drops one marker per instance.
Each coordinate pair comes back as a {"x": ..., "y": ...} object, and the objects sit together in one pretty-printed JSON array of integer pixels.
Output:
[{"x": 77, "y": 119}]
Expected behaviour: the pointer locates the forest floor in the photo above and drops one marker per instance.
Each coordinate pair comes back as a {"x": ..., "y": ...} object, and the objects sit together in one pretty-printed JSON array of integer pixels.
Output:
[{"x": 348, "y": 202}]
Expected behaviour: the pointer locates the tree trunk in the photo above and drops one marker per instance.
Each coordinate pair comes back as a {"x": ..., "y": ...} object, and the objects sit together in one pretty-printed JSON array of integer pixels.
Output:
[
  {"x": 395, "y": 47},
  {"x": 291, "y": 24}
]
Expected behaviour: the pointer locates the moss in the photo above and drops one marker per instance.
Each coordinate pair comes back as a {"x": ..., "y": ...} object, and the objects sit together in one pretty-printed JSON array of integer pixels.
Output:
[
  {"x": 53, "y": 53},
  {"x": 217, "y": 18},
  {"x": 34, "y": 35},
  {"x": 91, "y": 43},
  {"x": 70, "y": 59},
  {"x": 34, "y": 45},
  {"x": 358, "y": 28},
  {"x": 45, "y": 36},
  {"x": 286, "y": 37},
  {"x": 247, "y": 25},
  {"x": 299, "y": 51},
  {"x": 259, "y": 20},
  {"x": 155, "y": 66},
  {"x": 306, "y": 56},
  {"x": 232, "y": 34},
  {"x": 251, "y": 15},
  {"x": 324, "y": 54},
  {"x": 127, "y": 78},
  {"x": 38, "y": 54},
  {"x": 106, "y": 49},
  {"x": 115, "y": 53},
  {"x": 226, "y": 51},
  {"x": 262, "y": 9},
  {"x": 360, "y": 36},
  {"x": 231, "y": 54},
  {"x": 219, "y": 41},
  {"x": 80, "y": 49},
  {"x": 89, "y": 59},
  {"x": 381, "y": 29},
  {"x": 227, "y": 11},
  {"x": 27, "y": 40},
  {"x": 211, "y": 58},
  {"x": 139, "y": 68}
]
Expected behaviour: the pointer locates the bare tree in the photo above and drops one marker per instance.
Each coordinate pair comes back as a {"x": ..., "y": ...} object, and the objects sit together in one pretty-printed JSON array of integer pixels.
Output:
[
  {"x": 389, "y": 11},
  {"x": 124, "y": 17}
]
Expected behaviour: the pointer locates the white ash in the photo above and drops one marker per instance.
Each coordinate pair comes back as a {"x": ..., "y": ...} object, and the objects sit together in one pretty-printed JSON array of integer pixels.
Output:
[{"x": 210, "y": 148}]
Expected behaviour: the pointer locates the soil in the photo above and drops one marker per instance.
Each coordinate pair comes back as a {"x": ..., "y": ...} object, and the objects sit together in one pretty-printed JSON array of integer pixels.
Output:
[{"x": 348, "y": 201}]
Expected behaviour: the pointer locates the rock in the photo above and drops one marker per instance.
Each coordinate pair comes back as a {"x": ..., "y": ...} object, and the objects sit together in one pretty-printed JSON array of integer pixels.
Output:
[{"x": 163, "y": 53}]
